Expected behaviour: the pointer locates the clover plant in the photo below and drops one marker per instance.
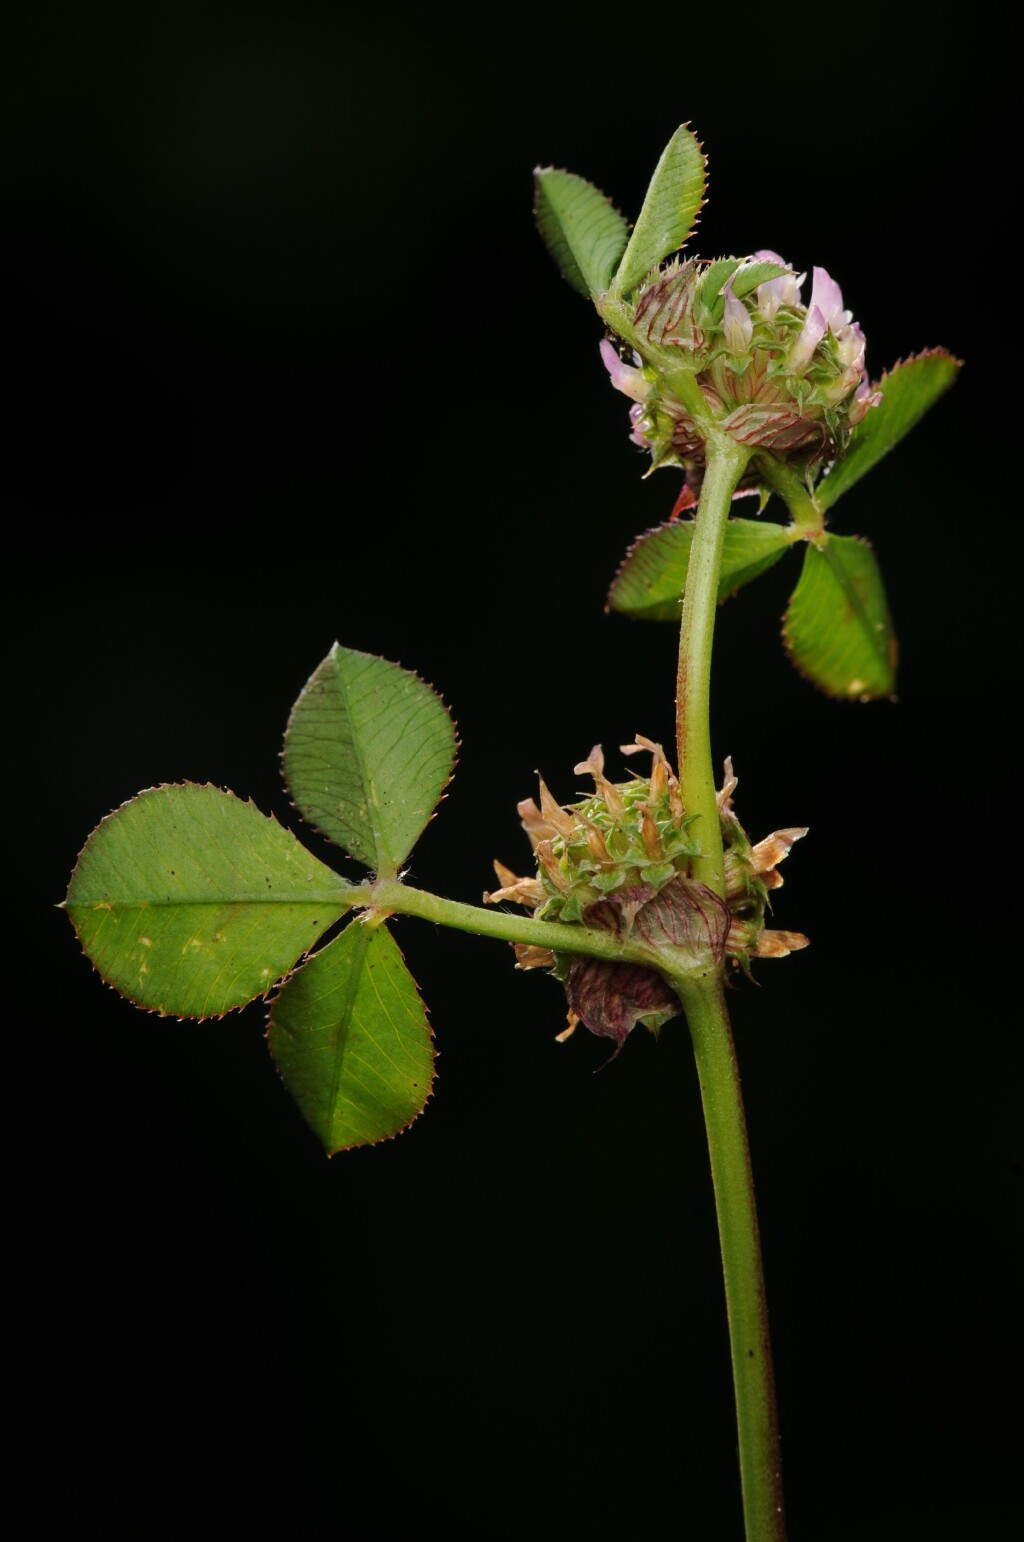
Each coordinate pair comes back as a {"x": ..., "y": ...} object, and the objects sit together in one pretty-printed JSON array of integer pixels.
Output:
[{"x": 643, "y": 893}]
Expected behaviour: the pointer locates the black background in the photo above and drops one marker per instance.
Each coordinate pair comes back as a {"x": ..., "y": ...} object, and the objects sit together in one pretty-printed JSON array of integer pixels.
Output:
[{"x": 291, "y": 365}]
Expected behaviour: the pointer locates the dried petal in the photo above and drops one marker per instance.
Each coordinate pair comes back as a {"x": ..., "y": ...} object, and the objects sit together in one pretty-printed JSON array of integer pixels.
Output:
[
  {"x": 567, "y": 1033},
  {"x": 549, "y": 862},
  {"x": 594, "y": 766},
  {"x": 529, "y": 956},
  {"x": 554, "y": 813},
  {"x": 779, "y": 944},
  {"x": 769, "y": 852},
  {"x": 730, "y": 782},
  {"x": 534, "y": 823}
]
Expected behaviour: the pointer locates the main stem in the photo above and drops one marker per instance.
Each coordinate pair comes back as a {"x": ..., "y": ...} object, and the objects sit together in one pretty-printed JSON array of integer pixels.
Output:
[
  {"x": 726, "y": 462},
  {"x": 708, "y": 1019},
  {"x": 746, "y": 1304}
]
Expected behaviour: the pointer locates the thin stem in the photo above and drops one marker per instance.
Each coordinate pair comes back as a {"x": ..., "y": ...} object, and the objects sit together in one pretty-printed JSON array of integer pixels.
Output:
[
  {"x": 709, "y": 1021},
  {"x": 389, "y": 895},
  {"x": 753, "y": 1380},
  {"x": 808, "y": 515},
  {"x": 726, "y": 461}
]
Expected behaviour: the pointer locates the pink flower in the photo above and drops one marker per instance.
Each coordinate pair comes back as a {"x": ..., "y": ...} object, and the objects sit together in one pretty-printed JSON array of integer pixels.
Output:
[
  {"x": 624, "y": 377},
  {"x": 736, "y": 324},
  {"x": 784, "y": 290},
  {"x": 824, "y": 314}
]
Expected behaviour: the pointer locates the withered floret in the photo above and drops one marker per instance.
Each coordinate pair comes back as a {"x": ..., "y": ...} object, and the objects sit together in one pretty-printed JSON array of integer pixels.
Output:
[{"x": 619, "y": 860}]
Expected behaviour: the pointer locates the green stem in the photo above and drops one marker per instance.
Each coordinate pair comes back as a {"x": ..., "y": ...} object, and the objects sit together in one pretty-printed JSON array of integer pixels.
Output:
[
  {"x": 808, "y": 515},
  {"x": 708, "y": 1018},
  {"x": 388, "y": 894},
  {"x": 726, "y": 462},
  {"x": 753, "y": 1380}
]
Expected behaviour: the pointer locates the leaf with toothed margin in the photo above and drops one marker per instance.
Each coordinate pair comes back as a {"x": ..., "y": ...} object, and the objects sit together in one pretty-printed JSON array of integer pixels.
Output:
[
  {"x": 649, "y": 584},
  {"x": 580, "y": 227},
  {"x": 368, "y": 752},
  {"x": 908, "y": 390},
  {"x": 674, "y": 199},
  {"x": 190, "y": 902},
  {"x": 837, "y": 628},
  {"x": 350, "y": 1037}
]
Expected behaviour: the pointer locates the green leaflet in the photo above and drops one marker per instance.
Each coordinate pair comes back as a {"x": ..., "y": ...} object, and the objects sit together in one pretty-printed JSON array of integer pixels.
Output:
[
  {"x": 674, "y": 199},
  {"x": 908, "y": 390},
  {"x": 711, "y": 283},
  {"x": 368, "y": 752},
  {"x": 709, "y": 300},
  {"x": 191, "y": 902},
  {"x": 755, "y": 273},
  {"x": 581, "y": 229},
  {"x": 649, "y": 584},
  {"x": 350, "y": 1037},
  {"x": 837, "y": 627}
]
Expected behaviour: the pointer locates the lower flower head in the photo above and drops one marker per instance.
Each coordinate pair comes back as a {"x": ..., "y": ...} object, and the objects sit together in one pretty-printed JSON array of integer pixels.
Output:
[{"x": 619, "y": 861}]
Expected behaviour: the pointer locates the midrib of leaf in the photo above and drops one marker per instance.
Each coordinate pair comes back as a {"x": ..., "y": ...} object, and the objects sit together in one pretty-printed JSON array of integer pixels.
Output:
[
  {"x": 351, "y": 990},
  {"x": 849, "y": 588},
  {"x": 366, "y": 780}
]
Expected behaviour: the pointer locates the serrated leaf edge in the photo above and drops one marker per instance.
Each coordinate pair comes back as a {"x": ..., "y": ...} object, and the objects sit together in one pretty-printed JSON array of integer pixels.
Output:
[
  {"x": 363, "y": 1145},
  {"x": 858, "y": 701},
  {"x": 137, "y": 1006},
  {"x": 442, "y": 795}
]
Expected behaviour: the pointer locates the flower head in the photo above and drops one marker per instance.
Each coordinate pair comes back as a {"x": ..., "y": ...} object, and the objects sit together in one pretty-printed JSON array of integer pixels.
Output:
[
  {"x": 782, "y": 377},
  {"x": 619, "y": 860}
]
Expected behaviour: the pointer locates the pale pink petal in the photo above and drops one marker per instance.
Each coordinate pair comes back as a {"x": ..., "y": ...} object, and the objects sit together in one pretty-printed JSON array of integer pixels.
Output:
[
  {"x": 828, "y": 297},
  {"x": 624, "y": 377},
  {"x": 850, "y": 347},
  {"x": 736, "y": 324},
  {"x": 811, "y": 334},
  {"x": 784, "y": 290},
  {"x": 638, "y": 418}
]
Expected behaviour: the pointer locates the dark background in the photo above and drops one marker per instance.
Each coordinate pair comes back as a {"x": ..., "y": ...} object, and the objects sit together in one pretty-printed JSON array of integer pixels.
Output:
[{"x": 290, "y": 365}]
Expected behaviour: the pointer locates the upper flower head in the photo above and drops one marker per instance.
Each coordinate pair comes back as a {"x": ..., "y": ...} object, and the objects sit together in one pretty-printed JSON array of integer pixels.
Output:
[{"x": 781, "y": 376}]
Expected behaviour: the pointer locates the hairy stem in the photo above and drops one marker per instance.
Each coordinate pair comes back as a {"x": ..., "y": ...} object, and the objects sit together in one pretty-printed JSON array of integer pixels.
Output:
[
  {"x": 726, "y": 462},
  {"x": 753, "y": 1380},
  {"x": 708, "y": 1019}
]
